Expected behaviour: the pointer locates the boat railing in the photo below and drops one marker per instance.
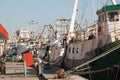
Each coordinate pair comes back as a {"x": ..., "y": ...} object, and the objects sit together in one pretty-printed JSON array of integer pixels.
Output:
[{"x": 118, "y": 30}]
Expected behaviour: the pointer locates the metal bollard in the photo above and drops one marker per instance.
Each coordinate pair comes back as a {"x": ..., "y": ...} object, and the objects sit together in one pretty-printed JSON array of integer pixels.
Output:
[
  {"x": 40, "y": 66},
  {"x": 39, "y": 69},
  {"x": 13, "y": 58},
  {"x": 25, "y": 71}
]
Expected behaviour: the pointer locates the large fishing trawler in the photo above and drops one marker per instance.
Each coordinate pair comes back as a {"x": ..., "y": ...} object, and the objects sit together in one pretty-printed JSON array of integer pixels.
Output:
[{"x": 97, "y": 56}]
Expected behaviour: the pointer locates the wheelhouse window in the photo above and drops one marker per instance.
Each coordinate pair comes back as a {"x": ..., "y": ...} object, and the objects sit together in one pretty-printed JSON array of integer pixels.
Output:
[
  {"x": 113, "y": 16},
  {"x": 69, "y": 50},
  {"x": 101, "y": 18},
  {"x": 77, "y": 50},
  {"x": 31, "y": 43},
  {"x": 73, "y": 50}
]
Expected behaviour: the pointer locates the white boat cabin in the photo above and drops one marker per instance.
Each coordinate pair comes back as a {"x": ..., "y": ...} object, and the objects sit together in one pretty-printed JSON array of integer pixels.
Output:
[
  {"x": 108, "y": 31},
  {"x": 109, "y": 21}
]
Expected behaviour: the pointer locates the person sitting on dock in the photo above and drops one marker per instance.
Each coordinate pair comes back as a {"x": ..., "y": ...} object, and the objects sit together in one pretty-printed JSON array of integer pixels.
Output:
[
  {"x": 46, "y": 56},
  {"x": 35, "y": 52}
]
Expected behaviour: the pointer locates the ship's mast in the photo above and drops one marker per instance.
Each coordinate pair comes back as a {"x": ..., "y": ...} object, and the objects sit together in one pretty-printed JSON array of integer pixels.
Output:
[
  {"x": 113, "y": 2},
  {"x": 71, "y": 30},
  {"x": 73, "y": 16}
]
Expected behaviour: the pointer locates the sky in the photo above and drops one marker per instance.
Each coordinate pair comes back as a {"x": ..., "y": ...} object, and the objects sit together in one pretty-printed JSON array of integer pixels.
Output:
[{"x": 16, "y": 14}]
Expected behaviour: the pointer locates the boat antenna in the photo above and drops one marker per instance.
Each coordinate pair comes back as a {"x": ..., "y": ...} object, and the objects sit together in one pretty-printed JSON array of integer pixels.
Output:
[{"x": 113, "y": 2}]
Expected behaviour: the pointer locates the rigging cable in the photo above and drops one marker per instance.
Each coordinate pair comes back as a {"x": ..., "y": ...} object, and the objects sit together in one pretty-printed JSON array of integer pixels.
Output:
[
  {"x": 83, "y": 13},
  {"x": 92, "y": 72},
  {"x": 83, "y": 10}
]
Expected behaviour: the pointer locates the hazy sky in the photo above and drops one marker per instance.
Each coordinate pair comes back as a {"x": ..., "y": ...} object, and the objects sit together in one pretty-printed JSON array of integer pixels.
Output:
[{"x": 16, "y": 14}]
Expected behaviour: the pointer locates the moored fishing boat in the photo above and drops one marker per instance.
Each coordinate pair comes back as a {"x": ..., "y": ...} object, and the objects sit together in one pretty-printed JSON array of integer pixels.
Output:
[{"x": 99, "y": 52}]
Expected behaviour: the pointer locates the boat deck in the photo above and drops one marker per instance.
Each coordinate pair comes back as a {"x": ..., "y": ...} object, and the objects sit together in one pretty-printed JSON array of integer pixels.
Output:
[
  {"x": 17, "y": 77},
  {"x": 15, "y": 71},
  {"x": 50, "y": 73}
]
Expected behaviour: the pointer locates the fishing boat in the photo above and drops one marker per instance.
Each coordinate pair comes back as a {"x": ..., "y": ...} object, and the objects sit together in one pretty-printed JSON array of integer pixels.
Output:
[
  {"x": 97, "y": 56},
  {"x": 3, "y": 44}
]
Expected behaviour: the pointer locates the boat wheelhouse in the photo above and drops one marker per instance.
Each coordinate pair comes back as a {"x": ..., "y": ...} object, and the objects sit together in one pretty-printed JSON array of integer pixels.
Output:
[{"x": 109, "y": 21}]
